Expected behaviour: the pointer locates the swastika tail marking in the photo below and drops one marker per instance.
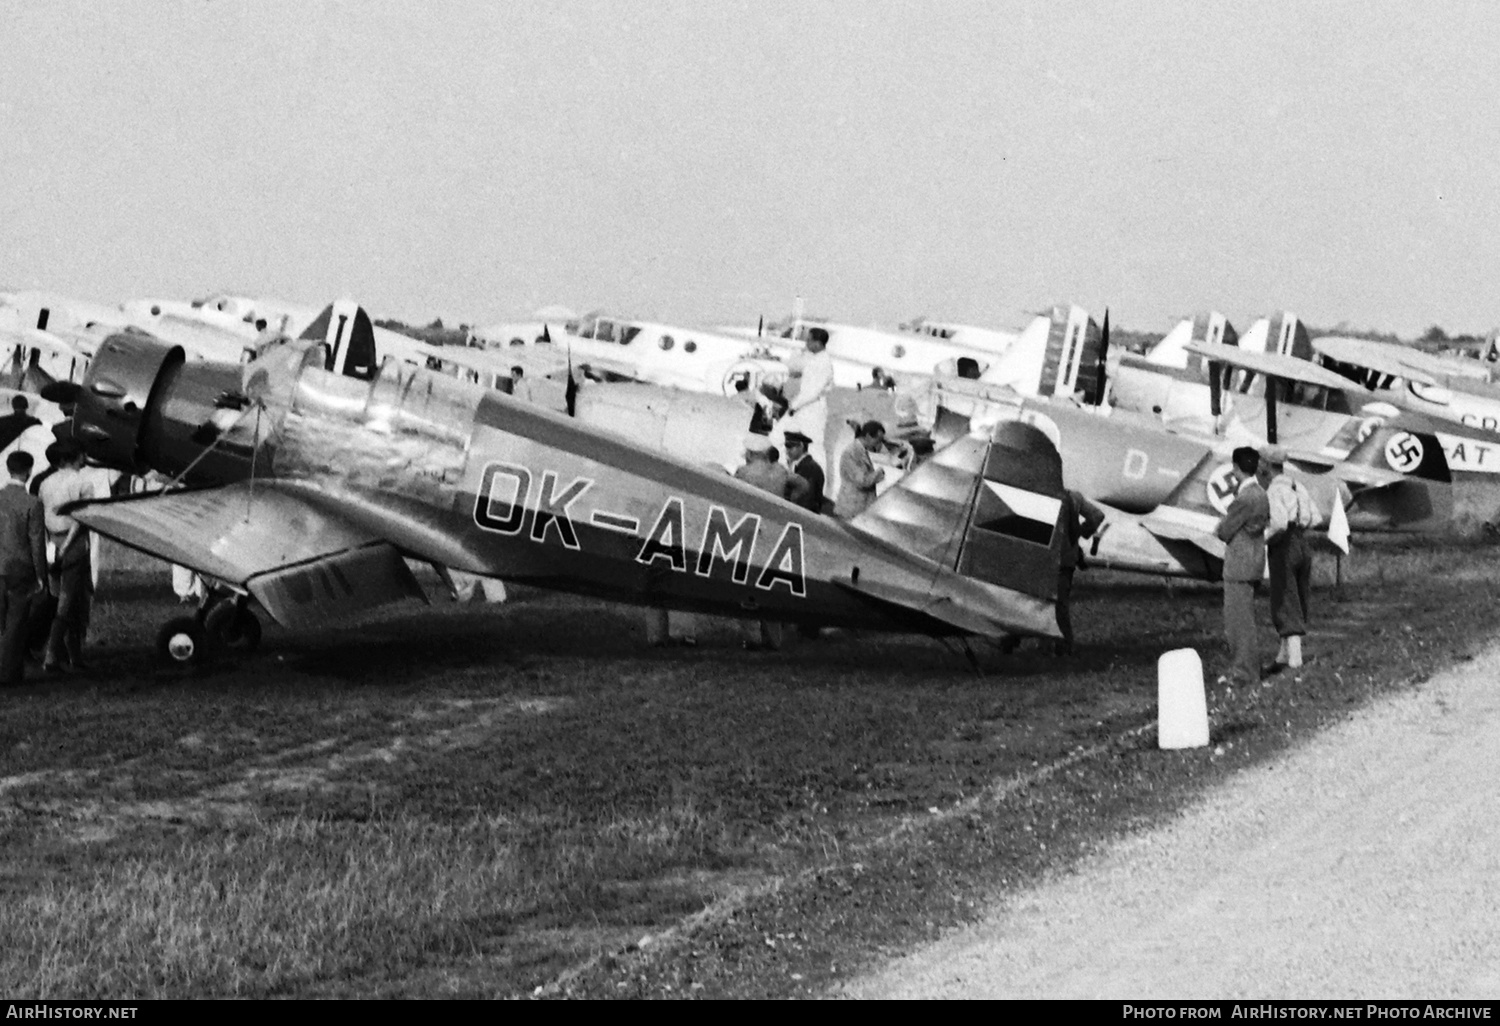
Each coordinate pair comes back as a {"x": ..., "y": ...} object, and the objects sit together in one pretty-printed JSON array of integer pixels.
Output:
[{"x": 1404, "y": 452}]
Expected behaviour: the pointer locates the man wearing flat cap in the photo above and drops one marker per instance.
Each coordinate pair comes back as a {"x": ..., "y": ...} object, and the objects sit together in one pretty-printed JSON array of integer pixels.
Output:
[
  {"x": 1292, "y": 512},
  {"x": 800, "y": 462},
  {"x": 1243, "y": 530}
]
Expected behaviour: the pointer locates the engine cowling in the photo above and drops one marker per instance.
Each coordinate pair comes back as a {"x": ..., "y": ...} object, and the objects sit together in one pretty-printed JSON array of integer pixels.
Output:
[{"x": 143, "y": 406}]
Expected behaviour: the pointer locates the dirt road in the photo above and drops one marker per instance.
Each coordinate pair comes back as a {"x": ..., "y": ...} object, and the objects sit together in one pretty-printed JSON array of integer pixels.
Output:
[{"x": 1366, "y": 864}]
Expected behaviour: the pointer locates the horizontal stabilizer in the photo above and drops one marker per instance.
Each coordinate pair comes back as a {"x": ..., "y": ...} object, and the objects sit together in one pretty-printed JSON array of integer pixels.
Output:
[
  {"x": 950, "y": 613},
  {"x": 1167, "y": 524}
]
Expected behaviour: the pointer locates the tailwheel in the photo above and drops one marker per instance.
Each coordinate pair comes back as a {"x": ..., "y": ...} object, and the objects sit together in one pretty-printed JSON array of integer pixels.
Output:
[
  {"x": 182, "y": 642},
  {"x": 234, "y": 627}
]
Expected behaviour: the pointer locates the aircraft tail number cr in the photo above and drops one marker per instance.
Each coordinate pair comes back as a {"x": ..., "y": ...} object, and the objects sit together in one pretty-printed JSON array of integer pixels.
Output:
[{"x": 511, "y": 500}]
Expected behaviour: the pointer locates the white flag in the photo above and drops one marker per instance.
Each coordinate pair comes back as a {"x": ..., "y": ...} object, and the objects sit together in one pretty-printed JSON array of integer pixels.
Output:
[{"x": 1338, "y": 525}]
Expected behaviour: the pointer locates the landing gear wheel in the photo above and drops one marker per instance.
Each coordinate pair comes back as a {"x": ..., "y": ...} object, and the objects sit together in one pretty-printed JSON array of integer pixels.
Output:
[
  {"x": 233, "y": 626},
  {"x": 181, "y": 642}
]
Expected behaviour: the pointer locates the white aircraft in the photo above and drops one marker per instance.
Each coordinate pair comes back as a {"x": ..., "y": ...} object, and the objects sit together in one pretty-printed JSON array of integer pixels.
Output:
[
  {"x": 1059, "y": 352},
  {"x": 659, "y": 354},
  {"x": 36, "y": 357},
  {"x": 1411, "y": 380},
  {"x": 968, "y": 335},
  {"x": 1172, "y": 381},
  {"x": 863, "y": 357}
]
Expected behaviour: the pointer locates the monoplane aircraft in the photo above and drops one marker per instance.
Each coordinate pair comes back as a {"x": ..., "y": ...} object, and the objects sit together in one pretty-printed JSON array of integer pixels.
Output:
[
  {"x": 305, "y": 489},
  {"x": 615, "y": 348}
]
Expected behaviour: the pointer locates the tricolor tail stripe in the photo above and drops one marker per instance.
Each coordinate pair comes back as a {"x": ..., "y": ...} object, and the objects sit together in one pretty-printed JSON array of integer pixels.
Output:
[{"x": 1017, "y": 513}]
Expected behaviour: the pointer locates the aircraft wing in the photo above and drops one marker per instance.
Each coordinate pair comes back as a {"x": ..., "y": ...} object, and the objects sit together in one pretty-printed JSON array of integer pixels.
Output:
[
  {"x": 534, "y": 360},
  {"x": 33, "y": 338},
  {"x": 1376, "y": 356},
  {"x": 304, "y": 564},
  {"x": 1271, "y": 364}
]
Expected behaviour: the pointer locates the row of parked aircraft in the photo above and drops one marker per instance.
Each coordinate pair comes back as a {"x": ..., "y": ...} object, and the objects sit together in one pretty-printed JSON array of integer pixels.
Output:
[{"x": 310, "y": 454}]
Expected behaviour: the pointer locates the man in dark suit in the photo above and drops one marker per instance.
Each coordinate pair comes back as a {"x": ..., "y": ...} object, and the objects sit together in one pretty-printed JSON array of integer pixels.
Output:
[
  {"x": 1080, "y": 518},
  {"x": 800, "y": 462},
  {"x": 14, "y": 424},
  {"x": 1243, "y": 530},
  {"x": 23, "y": 564}
]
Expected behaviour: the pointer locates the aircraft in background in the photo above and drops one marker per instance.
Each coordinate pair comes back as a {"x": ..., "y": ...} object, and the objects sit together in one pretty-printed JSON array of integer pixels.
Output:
[
  {"x": 615, "y": 348},
  {"x": 1164, "y": 492},
  {"x": 1059, "y": 352},
  {"x": 308, "y": 481},
  {"x": 970, "y": 336},
  {"x": 866, "y": 357},
  {"x": 1416, "y": 381},
  {"x": 1170, "y": 381}
]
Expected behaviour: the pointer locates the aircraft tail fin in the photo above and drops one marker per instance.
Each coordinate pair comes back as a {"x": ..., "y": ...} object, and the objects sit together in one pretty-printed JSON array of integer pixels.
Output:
[
  {"x": 1396, "y": 447},
  {"x": 986, "y": 508},
  {"x": 1420, "y": 501},
  {"x": 1208, "y": 488},
  {"x": 1060, "y": 353},
  {"x": 1282, "y": 333},
  {"x": 345, "y": 329},
  {"x": 1207, "y": 326}
]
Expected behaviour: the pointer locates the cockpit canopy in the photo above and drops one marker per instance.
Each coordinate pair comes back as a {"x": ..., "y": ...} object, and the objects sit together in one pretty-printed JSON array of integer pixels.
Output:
[{"x": 604, "y": 329}]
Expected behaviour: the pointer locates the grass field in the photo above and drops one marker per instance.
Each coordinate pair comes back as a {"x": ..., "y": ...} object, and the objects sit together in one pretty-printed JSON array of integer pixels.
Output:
[{"x": 500, "y": 800}]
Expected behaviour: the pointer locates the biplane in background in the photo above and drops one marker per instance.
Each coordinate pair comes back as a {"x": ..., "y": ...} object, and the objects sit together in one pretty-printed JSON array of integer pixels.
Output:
[
  {"x": 304, "y": 484},
  {"x": 1418, "y": 382}
]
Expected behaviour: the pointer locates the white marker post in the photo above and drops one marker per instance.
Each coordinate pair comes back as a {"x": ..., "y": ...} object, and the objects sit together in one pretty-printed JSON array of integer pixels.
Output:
[{"x": 1181, "y": 706}]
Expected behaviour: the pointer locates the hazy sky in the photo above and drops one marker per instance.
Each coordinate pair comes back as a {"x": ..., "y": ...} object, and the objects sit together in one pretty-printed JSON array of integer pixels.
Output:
[{"x": 707, "y": 161}]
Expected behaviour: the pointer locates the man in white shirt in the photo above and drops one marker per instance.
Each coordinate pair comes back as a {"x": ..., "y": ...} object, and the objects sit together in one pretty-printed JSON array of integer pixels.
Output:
[
  {"x": 1288, "y": 555},
  {"x": 71, "y": 575},
  {"x": 807, "y": 410}
]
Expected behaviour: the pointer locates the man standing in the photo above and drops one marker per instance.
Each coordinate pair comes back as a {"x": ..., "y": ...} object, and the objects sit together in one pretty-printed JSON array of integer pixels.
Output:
[
  {"x": 14, "y": 424},
  {"x": 764, "y": 473},
  {"x": 23, "y": 564},
  {"x": 807, "y": 410},
  {"x": 1080, "y": 519},
  {"x": 520, "y": 385},
  {"x": 800, "y": 462},
  {"x": 858, "y": 474},
  {"x": 72, "y": 577},
  {"x": 1292, "y": 511},
  {"x": 1243, "y": 530}
]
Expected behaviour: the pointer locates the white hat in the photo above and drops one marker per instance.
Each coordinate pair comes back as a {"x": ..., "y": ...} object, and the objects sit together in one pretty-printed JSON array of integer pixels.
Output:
[
  {"x": 757, "y": 443},
  {"x": 1275, "y": 455}
]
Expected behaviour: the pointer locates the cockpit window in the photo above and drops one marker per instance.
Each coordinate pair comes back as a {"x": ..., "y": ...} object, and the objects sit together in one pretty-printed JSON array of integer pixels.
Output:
[
  {"x": 604, "y": 331},
  {"x": 628, "y": 332}
]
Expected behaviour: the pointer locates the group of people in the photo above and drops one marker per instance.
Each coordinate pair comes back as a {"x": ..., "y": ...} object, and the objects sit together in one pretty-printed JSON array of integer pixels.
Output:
[
  {"x": 45, "y": 561},
  {"x": 1265, "y": 529},
  {"x": 801, "y": 479}
]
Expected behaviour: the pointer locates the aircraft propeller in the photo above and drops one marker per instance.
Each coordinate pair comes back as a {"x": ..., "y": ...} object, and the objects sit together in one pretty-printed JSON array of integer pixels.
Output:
[
  {"x": 1102, "y": 380},
  {"x": 61, "y": 392}
]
